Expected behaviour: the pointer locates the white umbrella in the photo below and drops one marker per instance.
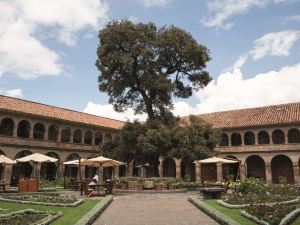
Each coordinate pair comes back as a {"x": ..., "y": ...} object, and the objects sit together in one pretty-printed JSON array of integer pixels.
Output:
[
  {"x": 5, "y": 160},
  {"x": 101, "y": 161},
  {"x": 216, "y": 160},
  {"x": 74, "y": 162},
  {"x": 37, "y": 158}
]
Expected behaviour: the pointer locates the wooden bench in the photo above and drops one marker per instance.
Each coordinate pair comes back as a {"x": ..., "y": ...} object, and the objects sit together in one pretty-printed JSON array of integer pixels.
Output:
[{"x": 212, "y": 192}]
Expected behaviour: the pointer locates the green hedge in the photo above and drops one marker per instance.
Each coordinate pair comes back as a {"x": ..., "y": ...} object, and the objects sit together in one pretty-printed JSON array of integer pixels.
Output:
[
  {"x": 95, "y": 212},
  {"x": 213, "y": 213}
]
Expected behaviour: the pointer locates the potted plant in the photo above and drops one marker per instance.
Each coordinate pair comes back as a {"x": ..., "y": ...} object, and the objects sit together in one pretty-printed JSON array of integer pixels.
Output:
[
  {"x": 124, "y": 184},
  {"x": 117, "y": 182},
  {"x": 179, "y": 183},
  {"x": 171, "y": 184},
  {"x": 140, "y": 185},
  {"x": 158, "y": 184}
]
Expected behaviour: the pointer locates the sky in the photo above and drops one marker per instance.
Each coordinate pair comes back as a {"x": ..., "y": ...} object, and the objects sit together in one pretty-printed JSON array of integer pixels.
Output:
[{"x": 48, "y": 50}]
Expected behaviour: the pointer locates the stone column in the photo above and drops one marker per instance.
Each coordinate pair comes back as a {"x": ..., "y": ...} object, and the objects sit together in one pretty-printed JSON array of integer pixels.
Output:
[
  {"x": 15, "y": 131},
  {"x": 7, "y": 172},
  {"x": 37, "y": 168},
  {"x": 242, "y": 138},
  {"x": 161, "y": 167},
  {"x": 270, "y": 136},
  {"x": 82, "y": 137},
  {"x": 59, "y": 172},
  {"x": 82, "y": 170},
  {"x": 130, "y": 169},
  {"x": 178, "y": 168},
  {"x": 31, "y": 131},
  {"x": 242, "y": 170},
  {"x": 59, "y": 134},
  {"x": 296, "y": 173},
  {"x": 268, "y": 173},
  {"x": 219, "y": 172},
  {"x": 100, "y": 173},
  {"x": 46, "y": 132},
  {"x": 198, "y": 171},
  {"x": 116, "y": 171}
]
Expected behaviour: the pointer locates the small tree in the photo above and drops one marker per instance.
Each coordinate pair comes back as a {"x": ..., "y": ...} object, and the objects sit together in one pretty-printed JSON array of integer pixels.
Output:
[{"x": 143, "y": 67}]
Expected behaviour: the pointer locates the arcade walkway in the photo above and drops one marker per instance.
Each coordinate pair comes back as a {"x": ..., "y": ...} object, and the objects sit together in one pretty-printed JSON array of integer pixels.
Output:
[{"x": 153, "y": 209}]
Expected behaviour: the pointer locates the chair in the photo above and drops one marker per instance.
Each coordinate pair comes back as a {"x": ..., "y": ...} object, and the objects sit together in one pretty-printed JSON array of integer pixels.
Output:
[
  {"x": 88, "y": 191},
  {"x": 109, "y": 187},
  {"x": 74, "y": 184}
]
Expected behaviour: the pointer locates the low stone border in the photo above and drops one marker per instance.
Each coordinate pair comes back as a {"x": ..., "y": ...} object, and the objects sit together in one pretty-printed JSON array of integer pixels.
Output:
[
  {"x": 95, "y": 212},
  {"x": 51, "y": 216},
  {"x": 131, "y": 191},
  {"x": 242, "y": 206},
  {"x": 286, "y": 220},
  {"x": 213, "y": 213},
  {"x": 74, "y": 204}
]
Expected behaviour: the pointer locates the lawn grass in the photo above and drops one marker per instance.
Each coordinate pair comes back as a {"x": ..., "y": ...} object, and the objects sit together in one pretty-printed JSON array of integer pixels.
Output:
[
  {"x": 70, "y": 214},
  {"x": 235, "y": 214}
]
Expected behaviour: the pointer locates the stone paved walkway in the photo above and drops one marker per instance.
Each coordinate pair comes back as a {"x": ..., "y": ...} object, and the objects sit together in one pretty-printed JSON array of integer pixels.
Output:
[{"x": 153, "y": 209}]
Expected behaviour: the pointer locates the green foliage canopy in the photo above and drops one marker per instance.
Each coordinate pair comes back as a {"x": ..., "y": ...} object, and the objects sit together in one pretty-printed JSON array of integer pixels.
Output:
[{"x": 143, "y": 67}]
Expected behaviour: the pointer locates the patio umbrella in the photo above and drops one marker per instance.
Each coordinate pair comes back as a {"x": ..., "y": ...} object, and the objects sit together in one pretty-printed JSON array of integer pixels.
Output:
[
  {"x": 74, "y": 162},
  {"x": 216, "y": 160},
  {"x": 37, "y": 158},
  {"x": 5, "y": 160},
  {"x": 101, "y": 161}
]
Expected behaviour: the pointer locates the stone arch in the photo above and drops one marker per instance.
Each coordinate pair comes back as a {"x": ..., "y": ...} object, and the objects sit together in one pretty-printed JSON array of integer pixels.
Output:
[
  {"x": 122, "y": 171},
  {"x": 236, "y": 139},
  {"x": 23, "y": 129},
  {"x": 7, "y": 126},
  {"x": 38, "y": 131},
  {"x": 49, "y": 170},
  {"x": 77, "y": 136},
  {"x": 282, "y": 166},
  {"x": 53, "y": 132},
  {"x": 188, "y": 169},
  {"x": 71, "y": 170},
  {"x": 263, "y": 138},
  {"x": 249, "y": 138},
  {"x": 88, "y": 137},
  {"x": 117, "y": 139},
  {"x": 98, "y": 138},
  {"x": 278, "y": 137},
  {"x": 294, "y": 135},
  {"x": 256, "y": 166},
  {"x": 224, "y": 140},
  {"x": 169, "y": 167},
  {"x": 230, "y": 170},
  {"x": 20, "y": 170},
  {"x": 66, "y": 134},
  {"x": 108, "y": 137}
]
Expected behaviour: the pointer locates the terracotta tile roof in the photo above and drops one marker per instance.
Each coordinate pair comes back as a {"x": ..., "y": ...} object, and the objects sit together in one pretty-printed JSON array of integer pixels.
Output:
[
  {"x": 255, "y": 117},
  {"x": 53, "y": 112}
]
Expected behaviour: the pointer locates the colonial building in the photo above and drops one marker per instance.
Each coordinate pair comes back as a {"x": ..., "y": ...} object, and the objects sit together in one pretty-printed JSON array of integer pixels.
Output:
[
  {"x": 28, "y": 127},
  {"x": 265, "y": 140}
]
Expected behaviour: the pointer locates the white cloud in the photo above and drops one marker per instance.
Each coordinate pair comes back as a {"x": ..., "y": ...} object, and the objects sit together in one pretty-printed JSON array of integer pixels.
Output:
[
  {"x": 222, "y": 10},
  {"x": 270, "y": 44},
  {"x": 232, "y": 91},
  {"x": 107, "y": 110},
  {"x": 24, "y": 22},
  {"x": 276, "y": 44},
  {"x": 17, "y": 93},
  {"x": 150, "y": 3},
  {"x": 293, "y": 18}
]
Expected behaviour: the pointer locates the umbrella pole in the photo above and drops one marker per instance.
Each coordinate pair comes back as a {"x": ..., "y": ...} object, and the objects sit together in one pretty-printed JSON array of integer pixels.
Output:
[{"x": 63, "y": 172}]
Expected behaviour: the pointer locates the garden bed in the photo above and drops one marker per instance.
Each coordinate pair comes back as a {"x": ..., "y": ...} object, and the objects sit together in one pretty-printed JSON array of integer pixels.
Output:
[
  {"x": 239, "y": 200},
  {"x": 51, "y": 199},
  {"x": 29, "y": 217},
  {"x": 271, "y": 214}
]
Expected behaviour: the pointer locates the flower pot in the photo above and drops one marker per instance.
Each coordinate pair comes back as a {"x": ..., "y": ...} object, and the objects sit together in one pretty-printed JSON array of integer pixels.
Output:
[
  {"x": 171, "y": 186},
  {"x": 116, "y": 186},
  {"x": 179, "y": 186},
  {"x": 158, "y": 187},
  {"x": 123, "y": 186},
  {"x": 140, "y": 187}
]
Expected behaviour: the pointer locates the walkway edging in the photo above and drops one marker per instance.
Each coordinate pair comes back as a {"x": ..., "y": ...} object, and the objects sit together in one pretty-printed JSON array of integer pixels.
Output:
[
  {"x": 213, "y": 213},
  {"x": 95, "y": 212}
]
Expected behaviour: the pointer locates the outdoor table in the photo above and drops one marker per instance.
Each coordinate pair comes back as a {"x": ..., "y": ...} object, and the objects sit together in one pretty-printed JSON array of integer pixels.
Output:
[
  {"x": 212, "y": 192},
  {"x": 81, "y": 183},
  {"x": 98, "y": 185},
  {"x": 3, "y": 184}
]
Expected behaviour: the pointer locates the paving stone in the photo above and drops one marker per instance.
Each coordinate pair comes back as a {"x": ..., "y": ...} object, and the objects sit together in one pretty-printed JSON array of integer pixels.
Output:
[{"x": 153, "y": 209}]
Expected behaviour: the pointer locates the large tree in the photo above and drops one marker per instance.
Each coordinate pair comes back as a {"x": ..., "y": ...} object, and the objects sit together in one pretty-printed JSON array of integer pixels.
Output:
[{"x": 143, "y": 67}]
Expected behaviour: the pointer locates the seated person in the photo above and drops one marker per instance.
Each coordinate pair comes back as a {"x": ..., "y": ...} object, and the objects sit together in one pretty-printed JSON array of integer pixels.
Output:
[{"x": 96, "y": 178}]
